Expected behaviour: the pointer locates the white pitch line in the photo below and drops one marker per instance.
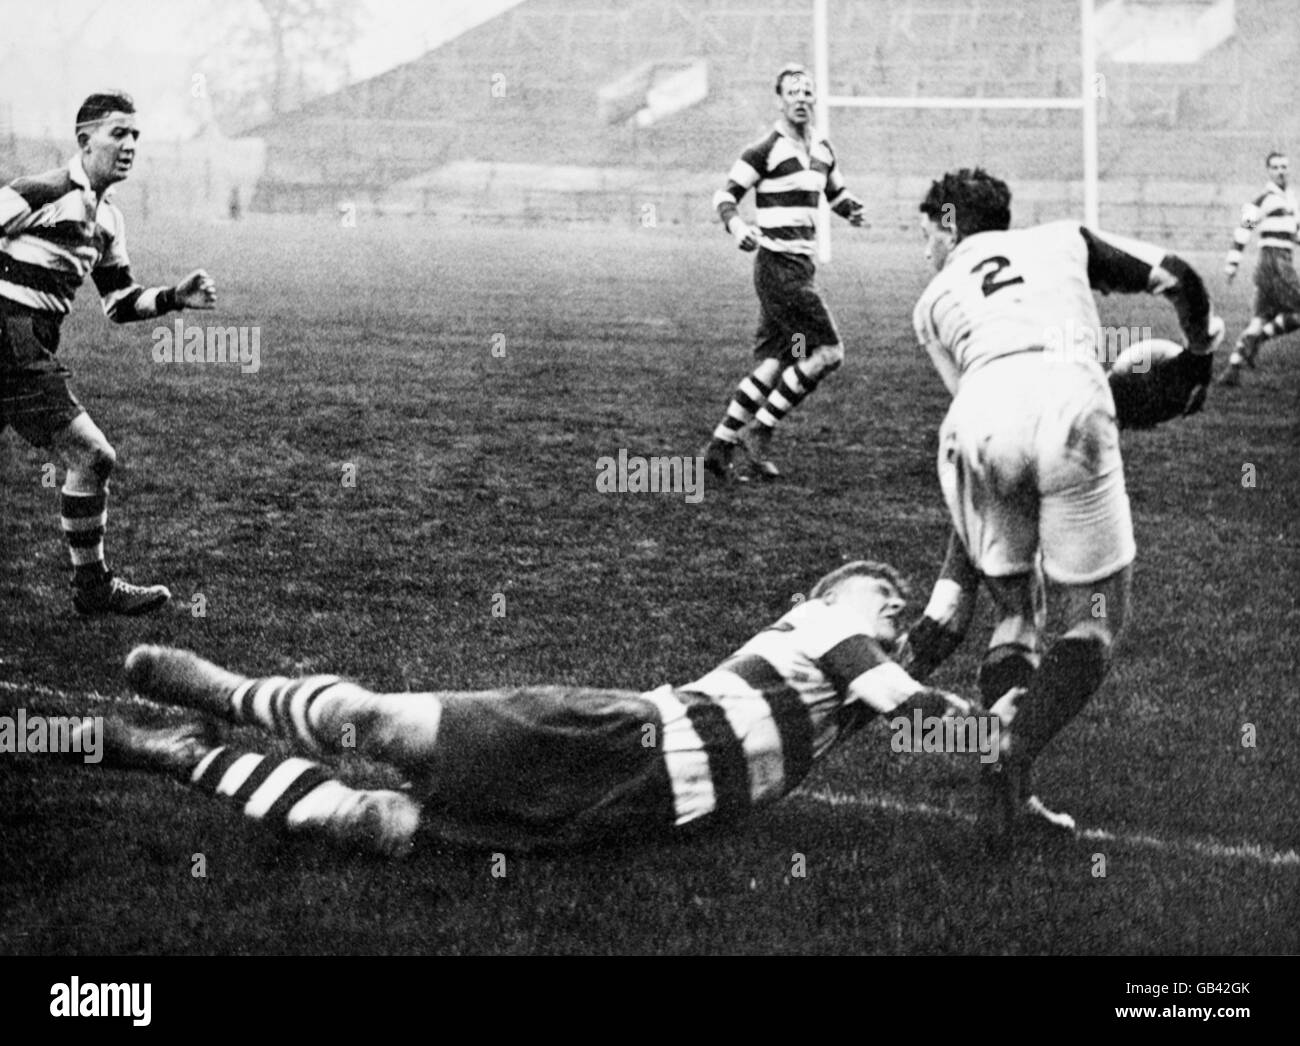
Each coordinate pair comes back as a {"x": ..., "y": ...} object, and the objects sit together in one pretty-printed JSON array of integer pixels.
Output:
[
  {"x": 37, "y": 690},
  {"x": 1200, "y": 847}
]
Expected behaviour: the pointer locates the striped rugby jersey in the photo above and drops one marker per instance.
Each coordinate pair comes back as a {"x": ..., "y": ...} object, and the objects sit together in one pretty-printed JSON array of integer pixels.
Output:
[
  {"x": 54, "y": 232},
  {"x": 788, "y": 183},
  {"x": 748, "y": 732},
  {"x": 1273, "y": 212}
]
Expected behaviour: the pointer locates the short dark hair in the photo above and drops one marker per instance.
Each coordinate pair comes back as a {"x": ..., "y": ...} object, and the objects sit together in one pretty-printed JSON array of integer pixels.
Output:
[
  {"x": 100, "y": 104},
  {"x": 978, "y": 201},
  {"x": 859, "y": 568},
  {"x": 1274, "y": 155},
  {"x": 790, "y": 69}
]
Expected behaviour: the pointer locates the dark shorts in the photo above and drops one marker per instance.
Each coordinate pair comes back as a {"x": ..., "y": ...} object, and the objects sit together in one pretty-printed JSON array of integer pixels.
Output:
[
  {"x": 1277, "y": 287},
  {"x": 793, "y": 319},
  {"x": 34, "y": 394},
  {"x": 547, "y": 767}
]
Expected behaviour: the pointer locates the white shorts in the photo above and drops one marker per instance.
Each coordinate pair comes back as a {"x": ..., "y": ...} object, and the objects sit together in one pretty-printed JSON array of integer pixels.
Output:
[{"x": 1029, "y": 461}]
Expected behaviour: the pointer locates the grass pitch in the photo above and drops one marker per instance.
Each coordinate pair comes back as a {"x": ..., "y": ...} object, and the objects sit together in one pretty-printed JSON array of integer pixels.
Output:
[{"x": 468, "y": 379}]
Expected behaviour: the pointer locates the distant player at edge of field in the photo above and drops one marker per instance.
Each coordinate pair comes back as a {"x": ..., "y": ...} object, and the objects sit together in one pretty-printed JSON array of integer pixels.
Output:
[
  {"x": 1277, "y": 287},
  {"x": 797, "y": 344},
  {"x": 546, "y": 766},
  {"x": 1029, "y": 460},
  {"x": 55, "y": 229}
]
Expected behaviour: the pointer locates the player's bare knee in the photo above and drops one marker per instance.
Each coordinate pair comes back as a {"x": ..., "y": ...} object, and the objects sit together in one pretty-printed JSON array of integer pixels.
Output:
[
  {"x": 89, "y": 457},
  {"x": 825, "y": 359}
]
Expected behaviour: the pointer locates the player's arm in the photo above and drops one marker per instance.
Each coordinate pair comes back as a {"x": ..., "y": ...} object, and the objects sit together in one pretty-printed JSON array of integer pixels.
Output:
[
  {"x": 841, "y": 201},
  {"x": 14, "y": 208},
  {"x": 947, "y": 617},
  {"x": 927, "y": 333},
  {"x": 1251, "y": 214},
  {"x": 859, "y": 666},
  {"x": 126, "y": 301},
  {"x": 744, "y": 175},
  {"x": 1170, "y": 388}
]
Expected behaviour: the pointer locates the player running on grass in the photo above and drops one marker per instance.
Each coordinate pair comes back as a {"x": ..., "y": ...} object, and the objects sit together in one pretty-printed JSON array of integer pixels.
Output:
[
  {"x": 1276, "y": 308},
  {"x": 1029, "y": 459},
  {"x": 546, "y": 766},
  {"x": 55, "y": 230},
  {"x": 797, "y": 344}
]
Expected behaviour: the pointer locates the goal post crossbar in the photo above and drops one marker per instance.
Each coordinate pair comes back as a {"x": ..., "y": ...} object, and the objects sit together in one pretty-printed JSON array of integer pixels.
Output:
[{"x": 1085, "y": 103}]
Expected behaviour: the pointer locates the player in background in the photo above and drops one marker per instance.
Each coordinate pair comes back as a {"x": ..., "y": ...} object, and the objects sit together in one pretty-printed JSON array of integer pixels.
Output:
[
  {"x": 1277, "y": 288},
  {"x": 546, "y": 766},
  {"x": 55, "y": 229},
  {"x": 797, "y": 344},
  {"x": 1029, "y": 459}
]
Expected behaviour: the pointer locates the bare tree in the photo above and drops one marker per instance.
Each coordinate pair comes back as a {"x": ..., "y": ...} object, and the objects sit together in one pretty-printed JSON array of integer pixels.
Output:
[{"x": 278, "y": 54}]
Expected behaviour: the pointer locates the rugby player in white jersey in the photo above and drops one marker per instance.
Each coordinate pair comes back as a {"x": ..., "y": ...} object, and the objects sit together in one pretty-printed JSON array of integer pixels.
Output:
[
  {"x": 1029, "y": 459},
  {"x": 546, "y": 766}
]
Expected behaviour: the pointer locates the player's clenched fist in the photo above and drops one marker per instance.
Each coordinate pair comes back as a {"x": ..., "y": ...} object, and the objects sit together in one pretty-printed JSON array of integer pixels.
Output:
[
  {"x": 745, "y": 235},
  {"x": 197, "y": 291}
]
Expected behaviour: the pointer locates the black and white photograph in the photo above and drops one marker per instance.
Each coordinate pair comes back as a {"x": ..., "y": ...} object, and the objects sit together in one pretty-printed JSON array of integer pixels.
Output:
[{"x": 651, "y": 478}]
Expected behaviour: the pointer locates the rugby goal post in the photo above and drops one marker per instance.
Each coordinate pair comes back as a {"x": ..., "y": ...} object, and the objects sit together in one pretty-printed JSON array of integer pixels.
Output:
[{"x": 1085, "y": 103}]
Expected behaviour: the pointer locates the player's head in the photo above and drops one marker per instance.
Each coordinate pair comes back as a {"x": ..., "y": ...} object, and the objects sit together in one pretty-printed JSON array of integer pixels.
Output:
[
  {"x": 961, "y": 204},
  {"x": 796, "y": 94},
  {"x": 106, "y": 134},
  {"x": 1277, "y": 165},
  {"x": 875, "y": 592}
]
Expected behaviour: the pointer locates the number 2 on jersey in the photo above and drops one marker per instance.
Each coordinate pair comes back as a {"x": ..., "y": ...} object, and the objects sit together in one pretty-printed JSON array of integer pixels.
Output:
[{"x": 991, "y": 282}]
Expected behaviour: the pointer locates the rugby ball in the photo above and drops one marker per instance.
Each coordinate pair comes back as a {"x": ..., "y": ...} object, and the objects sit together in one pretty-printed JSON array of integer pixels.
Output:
[{"x": 1141, "y": 356}]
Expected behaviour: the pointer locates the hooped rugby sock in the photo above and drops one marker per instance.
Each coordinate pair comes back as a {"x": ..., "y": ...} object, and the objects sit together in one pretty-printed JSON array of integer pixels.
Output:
[
  {"x": 1071, "y": 672},
  {"x": 746, "y": 401},
  {"x": 84, "y": 518},
  {"x": 793, "y": 388},
  {"x": 1280, "y": 324},
  {"x": 286, "y": 793},
  {"x": 329, "y": 714},
  {"x": 283, "y": 706}
]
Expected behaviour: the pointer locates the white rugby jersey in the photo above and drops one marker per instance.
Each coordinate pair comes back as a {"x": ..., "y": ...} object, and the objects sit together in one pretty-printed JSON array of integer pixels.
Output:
[
  {"x": 1273, "y": 212},
  {"x": 54, "y": 232},
  {"x": 1017, "y": 291},
  {"x": 788, "y": 183},
  {"x": 748, "y": 732}
]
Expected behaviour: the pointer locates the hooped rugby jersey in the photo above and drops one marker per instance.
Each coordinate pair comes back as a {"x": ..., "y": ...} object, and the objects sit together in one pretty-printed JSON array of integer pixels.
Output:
[
  {"x": 1273, "y": 212},
  {"x": 788, "y": 183},
  {"x": 748, "y": 732},
  {"x": 54, "y": 232}
]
